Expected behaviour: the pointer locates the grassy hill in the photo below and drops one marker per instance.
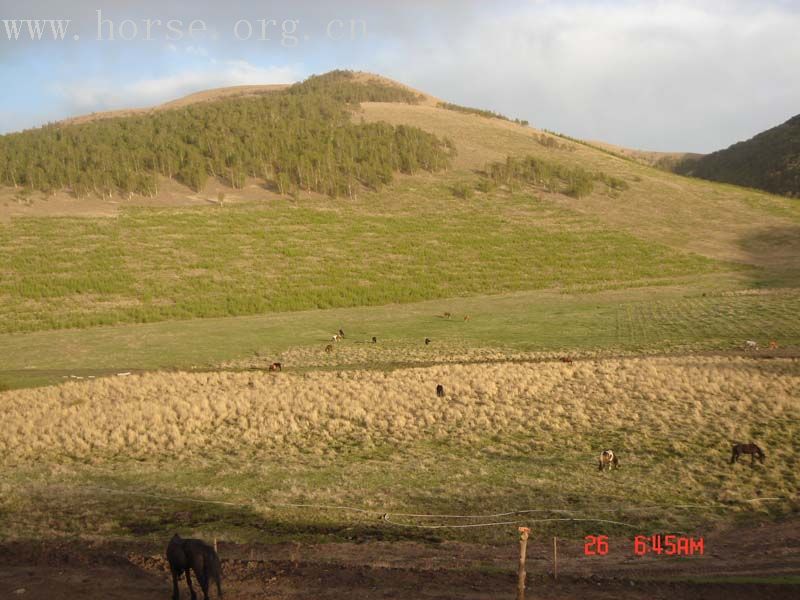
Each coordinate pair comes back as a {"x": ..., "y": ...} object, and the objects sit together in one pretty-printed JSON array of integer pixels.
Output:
[
  {"x": 350, "y": 190},
  {"x": 404, "y": 218},
  {"x": 769, "y": 161}
]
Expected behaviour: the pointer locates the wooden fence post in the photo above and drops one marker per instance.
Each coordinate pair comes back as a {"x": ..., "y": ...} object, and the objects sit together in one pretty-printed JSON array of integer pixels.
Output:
[
  {"x": 523, "y": 547},
  {"x": 555, "y": 557}
]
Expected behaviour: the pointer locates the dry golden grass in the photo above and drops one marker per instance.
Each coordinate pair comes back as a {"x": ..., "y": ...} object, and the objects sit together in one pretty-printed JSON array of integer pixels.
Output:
[
  {"x": 507, "y": 436},
  {"x": 696, "y": 402}
]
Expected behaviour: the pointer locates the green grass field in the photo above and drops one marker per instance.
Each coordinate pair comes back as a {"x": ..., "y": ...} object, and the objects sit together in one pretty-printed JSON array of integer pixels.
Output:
[
  {"x": 696, "y": 317},
  {"x": 155, "y": 265}
]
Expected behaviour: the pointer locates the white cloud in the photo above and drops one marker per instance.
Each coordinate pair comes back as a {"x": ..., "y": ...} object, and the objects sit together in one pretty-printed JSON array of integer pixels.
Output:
[
  {"x": 663, "y": 75},
  {"x": 93, "y": 96}
]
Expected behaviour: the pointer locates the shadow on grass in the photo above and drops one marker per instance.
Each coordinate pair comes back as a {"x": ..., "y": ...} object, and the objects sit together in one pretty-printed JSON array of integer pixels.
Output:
[
  {"x": 778, "y": 249},
  {"x": 241, "y": 522}
]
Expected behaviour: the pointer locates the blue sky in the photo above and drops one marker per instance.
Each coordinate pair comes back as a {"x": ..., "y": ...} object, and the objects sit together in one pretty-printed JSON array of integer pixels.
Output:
[{"x": 660, "y": 75}]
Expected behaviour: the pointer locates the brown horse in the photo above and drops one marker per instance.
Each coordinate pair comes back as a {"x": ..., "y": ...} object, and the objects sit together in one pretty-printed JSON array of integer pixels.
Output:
[
  {"x": 328, "y": 348},
  {"x": 276, "y": 366},
  {"x": 751, "y": 449},
  {"x": 440, "y": 391}
]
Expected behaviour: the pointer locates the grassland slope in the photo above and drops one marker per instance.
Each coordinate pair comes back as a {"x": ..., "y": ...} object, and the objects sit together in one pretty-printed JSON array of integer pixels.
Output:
[{"x": 720, "y": 221}]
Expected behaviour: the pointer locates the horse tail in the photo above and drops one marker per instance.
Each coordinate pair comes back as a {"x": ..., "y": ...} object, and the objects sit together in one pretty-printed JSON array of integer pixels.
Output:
[{"x": 212, "y": 570}]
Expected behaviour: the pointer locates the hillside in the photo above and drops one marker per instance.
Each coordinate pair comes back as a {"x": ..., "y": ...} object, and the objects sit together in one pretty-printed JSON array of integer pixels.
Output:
[
  {"x": 769, "y": 161},
  {"x": 750, "y": 227},
  {"x": 662, "y": 160},
  {"x": 297, "y": 138},
  {"x": 212, "y": 95},
  {"x": 349, "y": 190}
]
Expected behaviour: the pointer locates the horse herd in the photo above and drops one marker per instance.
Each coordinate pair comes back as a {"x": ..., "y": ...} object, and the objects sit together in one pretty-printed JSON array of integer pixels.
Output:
[
  {"x": 609, "y": 460},
  {"x": 185, "y": 555},
  {"x": 752, "y": 345},
  {"x": 336, "y": 337}
]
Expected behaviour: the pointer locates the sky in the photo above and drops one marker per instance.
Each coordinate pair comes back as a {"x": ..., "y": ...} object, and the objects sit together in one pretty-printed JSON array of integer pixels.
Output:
[{"x": 675, "y": 75}]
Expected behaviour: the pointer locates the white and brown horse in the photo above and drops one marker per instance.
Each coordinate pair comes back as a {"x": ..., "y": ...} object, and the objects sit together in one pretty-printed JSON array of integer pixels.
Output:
[{"x": 608, "y": 460}]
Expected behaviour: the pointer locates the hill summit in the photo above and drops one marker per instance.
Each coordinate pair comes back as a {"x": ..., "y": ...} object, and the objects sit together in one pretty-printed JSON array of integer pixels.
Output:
[{"x": 295, "y": 138}]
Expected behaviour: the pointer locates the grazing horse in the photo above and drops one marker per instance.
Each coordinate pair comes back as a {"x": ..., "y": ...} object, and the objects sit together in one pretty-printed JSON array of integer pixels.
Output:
[
  {"x": 447, "y": 315},
  {"x": 440, "y": 391},
  {"x": 427, "y": 341},
  {"x": 335, "y": 338},
  {"x": 276, "y": 366},
  {"x": 773, "y": 345},
  {"x": 329, "y": 348},
  {"x": 184, "y": 555},
  {"x": 374, "y": 340},
  {"x": 608, "y": 460},
  {"x": 466, "y": 317},
  {"x": 751, "y": 449},
  {"x": 566, "y": 359},
  {"x": 750, "y": 345}
]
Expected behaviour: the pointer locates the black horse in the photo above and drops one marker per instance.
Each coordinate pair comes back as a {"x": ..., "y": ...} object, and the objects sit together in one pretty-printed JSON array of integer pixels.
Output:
[
  {"x": 187, "y": 554},
  {"x": 440, "y": 391},
  {"x": 751, "y": 449}
]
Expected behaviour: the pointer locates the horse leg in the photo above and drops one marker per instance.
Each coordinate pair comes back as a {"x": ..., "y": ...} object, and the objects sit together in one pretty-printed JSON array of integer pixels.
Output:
[
  {"x": 176, "y": 595},
  {"x": 202, "y": 577},
  {"x": 189, "y": 583}
]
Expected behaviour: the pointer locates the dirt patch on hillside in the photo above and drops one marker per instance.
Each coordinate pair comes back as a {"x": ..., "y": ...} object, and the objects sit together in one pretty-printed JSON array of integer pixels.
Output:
[
  {"x": 171, "y": 194},
  {"x": 410, "y": 570}
]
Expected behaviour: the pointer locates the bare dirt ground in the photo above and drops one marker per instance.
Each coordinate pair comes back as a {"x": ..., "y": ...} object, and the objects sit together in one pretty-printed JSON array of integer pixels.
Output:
[{"x": 409, "y": 570}]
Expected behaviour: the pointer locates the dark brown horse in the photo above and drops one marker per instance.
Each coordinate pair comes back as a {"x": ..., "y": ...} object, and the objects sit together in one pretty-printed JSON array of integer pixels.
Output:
[
  {"x": 184, "y": 555},
  {"x": 276, "y": 366},
  {"x": 751, "y": 449},
  {"x": 440, "y": 391}
]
